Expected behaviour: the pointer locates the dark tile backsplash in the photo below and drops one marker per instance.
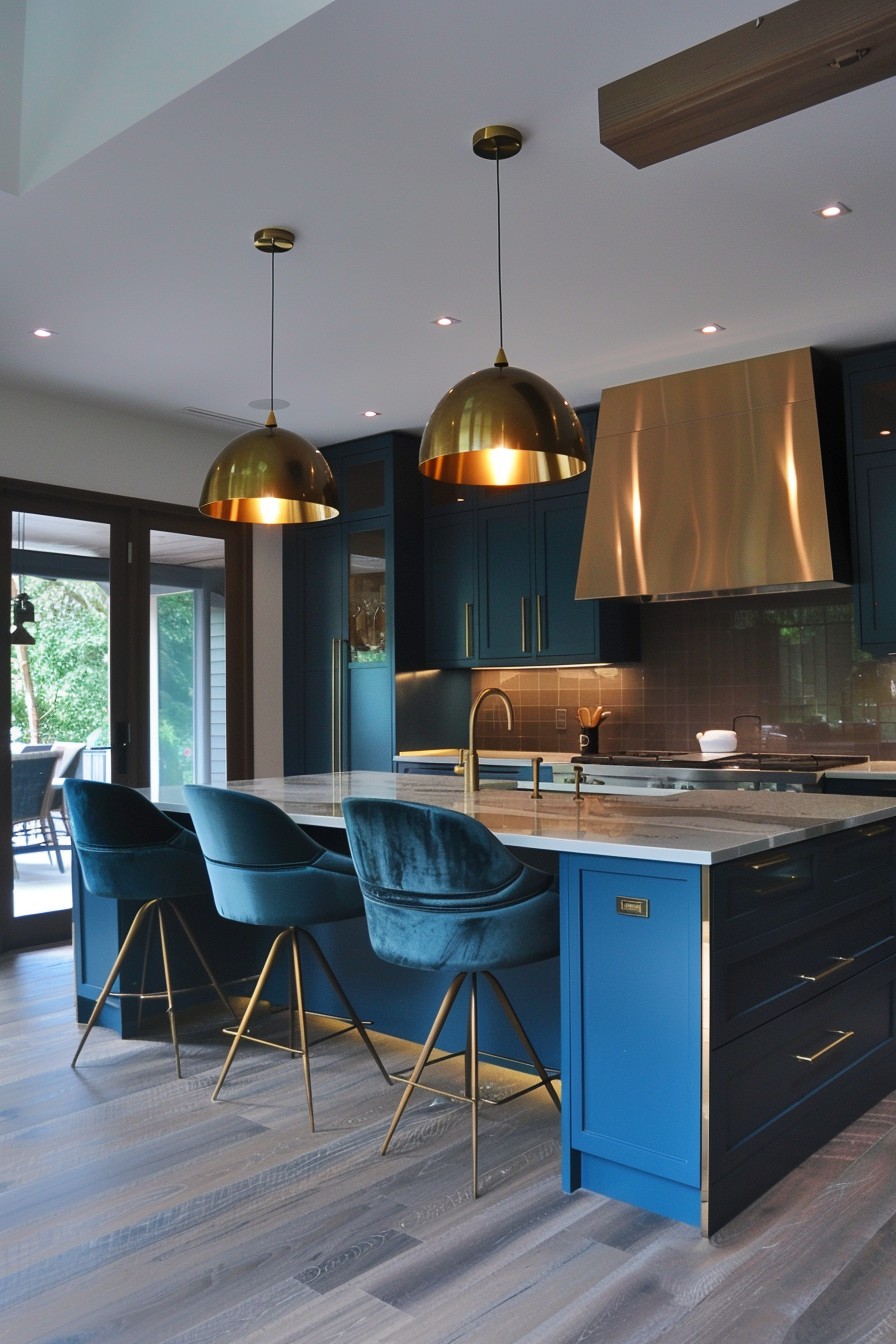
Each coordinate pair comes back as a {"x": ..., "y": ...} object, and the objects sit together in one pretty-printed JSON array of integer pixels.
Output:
[{"x": 790, "y": 659}]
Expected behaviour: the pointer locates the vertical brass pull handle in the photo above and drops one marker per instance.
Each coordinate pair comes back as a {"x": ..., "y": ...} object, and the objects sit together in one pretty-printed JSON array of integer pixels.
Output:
[
  {"x": 579, "y": 771},
  {"x": 539, "y": 622},
  {"x": 523, "y": 632},
  {"x": 468, "y": 630},
  {"x": 536, "y": 762},
  {"x": 337, "y": 707},
  {"x": 841, "y": 1036}
]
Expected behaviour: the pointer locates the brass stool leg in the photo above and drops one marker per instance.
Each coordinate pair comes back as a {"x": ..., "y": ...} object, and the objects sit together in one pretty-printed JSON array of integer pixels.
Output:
[
  {"x": 256, "y": 995},
  {"x": 521, "y": 1033},
  {"x": 146, "y": 947},
  {"x": 474, "y": 1077},
  {"x": 116, "y": 965},
  {"x": 340, "y": 992},
  {"x": 205, "y": 966},
  {"x": 303, "y": 1026},
  {"x": 172, "y": 1020},
  {"x": 435, "y": 1029}
]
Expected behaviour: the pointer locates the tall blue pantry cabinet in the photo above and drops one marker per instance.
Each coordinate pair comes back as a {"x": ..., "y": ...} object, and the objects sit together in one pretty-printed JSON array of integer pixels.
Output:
[{"x": 353, "y": 689}]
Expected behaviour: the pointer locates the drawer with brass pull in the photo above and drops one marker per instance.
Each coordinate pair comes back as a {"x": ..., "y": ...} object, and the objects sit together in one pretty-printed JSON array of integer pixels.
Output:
[
  {"x": 775, "y": 1076},
  {"x": 778, "y": 887},
  {"x": 754, "y": 981}
]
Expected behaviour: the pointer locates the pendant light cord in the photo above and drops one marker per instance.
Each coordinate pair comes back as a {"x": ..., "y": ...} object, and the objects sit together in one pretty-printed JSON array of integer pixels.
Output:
[
  {"x": 273, "y": 254},
  {"x": 500, "y": 285}
]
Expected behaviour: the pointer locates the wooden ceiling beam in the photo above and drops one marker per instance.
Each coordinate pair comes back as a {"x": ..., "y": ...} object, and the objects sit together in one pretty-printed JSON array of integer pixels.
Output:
[{"x": 798, "y": 56}]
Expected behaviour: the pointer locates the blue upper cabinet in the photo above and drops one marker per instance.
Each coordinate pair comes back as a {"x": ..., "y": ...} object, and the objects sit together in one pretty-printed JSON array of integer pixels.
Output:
[
  {"x": 501, "y": 571},
  {"x": 505, "y": 584},
  {"x": 871, "y": 426},
  {"x": 451, "y": 589}
]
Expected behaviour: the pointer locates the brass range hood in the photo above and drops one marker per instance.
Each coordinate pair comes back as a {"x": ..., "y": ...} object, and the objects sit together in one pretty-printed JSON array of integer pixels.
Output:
[{"x": 724, "y": 480}]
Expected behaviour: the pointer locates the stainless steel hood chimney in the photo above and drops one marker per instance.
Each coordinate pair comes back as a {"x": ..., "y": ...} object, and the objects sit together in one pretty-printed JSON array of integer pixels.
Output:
[{"x": 730, "y": 479}]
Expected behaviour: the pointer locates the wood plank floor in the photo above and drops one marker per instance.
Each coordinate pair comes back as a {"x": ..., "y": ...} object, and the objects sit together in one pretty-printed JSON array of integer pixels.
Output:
[{"x": 133, "y": 1211}]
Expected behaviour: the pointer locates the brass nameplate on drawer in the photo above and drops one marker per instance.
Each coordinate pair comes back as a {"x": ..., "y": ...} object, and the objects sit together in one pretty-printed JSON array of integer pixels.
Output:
[{"x": 633, "y": 905}]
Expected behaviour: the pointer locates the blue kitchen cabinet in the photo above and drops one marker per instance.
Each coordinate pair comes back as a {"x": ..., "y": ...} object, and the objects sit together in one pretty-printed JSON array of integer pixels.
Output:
[
  {"x": 870, "y": 388},
  {"x": 564, "y": 628},
  {"x": 630, "y": 966},
  {"x": 501, "y": 572},
  {"x": 451, "y": 589},
  {"x": 353, "y": 600},
  {"x": 505, "y": 564}
]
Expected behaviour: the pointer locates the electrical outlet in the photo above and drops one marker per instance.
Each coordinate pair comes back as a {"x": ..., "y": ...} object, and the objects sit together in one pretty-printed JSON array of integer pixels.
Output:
[{"x": 559, "y": 718}]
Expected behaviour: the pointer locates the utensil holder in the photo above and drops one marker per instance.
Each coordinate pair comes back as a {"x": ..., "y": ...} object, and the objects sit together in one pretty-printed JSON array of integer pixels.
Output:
[{"x": 588, "y": 741}]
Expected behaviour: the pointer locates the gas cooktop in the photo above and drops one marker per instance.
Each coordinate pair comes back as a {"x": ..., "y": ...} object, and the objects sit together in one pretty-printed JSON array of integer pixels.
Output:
[{"x": 736, "y": 760}]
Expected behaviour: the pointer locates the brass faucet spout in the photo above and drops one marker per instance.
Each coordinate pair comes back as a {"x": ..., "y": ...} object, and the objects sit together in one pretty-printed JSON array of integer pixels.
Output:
[{"x": 471, "y": 760}]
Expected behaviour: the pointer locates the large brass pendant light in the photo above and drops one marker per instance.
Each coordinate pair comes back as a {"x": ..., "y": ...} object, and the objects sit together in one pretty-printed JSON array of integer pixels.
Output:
[
  {"x": 503, "y": 425},
  {"x": 270, "y": 475}
]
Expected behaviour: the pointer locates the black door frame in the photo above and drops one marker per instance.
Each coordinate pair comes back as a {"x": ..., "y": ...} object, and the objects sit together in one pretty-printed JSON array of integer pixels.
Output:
[{"x": 130, "y": 522}]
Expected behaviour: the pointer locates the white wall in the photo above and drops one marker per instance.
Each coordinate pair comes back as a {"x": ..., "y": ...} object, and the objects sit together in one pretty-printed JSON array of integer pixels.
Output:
[{"x": 92, "y": 447}]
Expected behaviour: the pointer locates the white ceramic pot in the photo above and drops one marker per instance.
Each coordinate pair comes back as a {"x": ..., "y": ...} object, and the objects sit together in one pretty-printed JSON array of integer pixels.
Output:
[{"x": 717, "y": 739}]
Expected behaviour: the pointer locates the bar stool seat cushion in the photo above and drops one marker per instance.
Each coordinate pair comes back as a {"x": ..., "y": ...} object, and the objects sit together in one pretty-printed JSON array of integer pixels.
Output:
[
  {"x": 265, "y": 869},
  {"x": 128, "y": 849},
  {"x": 442, "y": 893}
]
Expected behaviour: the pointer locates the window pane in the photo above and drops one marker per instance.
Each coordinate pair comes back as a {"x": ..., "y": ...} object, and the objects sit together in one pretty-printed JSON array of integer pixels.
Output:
[
  {"x": 60, "y": 693},
  {"x": 187, "y": 659}
]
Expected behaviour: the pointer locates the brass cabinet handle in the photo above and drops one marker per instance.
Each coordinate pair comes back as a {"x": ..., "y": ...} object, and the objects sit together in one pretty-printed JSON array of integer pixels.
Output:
[
  {"x": 468, "y": 630},
  {"x": 771, "y": 861},
  {"x": 539, "y": 622},
  {"x": 839, "y": 963},
  {"x": 841, "y": 1037},
  {"x": 523, "y": 631},
  {"x": 881, "y": 829}
]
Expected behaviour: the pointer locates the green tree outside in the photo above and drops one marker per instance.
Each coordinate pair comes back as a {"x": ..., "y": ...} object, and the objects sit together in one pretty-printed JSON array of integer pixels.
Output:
[{"x": 69, "y": 662}]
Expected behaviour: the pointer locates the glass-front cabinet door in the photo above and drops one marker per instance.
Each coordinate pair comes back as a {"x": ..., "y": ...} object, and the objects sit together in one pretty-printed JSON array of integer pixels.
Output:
[{"x": 367, "y": 596}]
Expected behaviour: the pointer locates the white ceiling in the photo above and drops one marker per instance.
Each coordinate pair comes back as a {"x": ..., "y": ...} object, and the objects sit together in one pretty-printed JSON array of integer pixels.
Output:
[{"x": 353, "y": 128}]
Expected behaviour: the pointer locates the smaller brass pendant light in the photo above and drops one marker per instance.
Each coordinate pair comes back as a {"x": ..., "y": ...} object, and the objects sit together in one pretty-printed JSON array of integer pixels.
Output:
[
  {"x": 270, "y": 475},
  {"x": 504, "y": 425},
  {"x": 22, "y": 607}
]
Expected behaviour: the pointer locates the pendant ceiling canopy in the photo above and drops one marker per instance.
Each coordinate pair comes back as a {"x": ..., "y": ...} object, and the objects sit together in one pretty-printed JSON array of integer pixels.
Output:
[
  {"x": 270, "y": 475},
  {"x": 502, "y": 425}
]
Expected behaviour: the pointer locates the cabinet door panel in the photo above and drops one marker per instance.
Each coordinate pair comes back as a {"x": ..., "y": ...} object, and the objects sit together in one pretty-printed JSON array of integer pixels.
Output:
[
  {"x": 505, "y": 584},
  {"x": 875, "y": 490},
  {"x": 450, "y": 591},
  {"x": 370, "y": 734},
  {"x": 565, "y": 628},
  {"x": 633, "y": 1085}
]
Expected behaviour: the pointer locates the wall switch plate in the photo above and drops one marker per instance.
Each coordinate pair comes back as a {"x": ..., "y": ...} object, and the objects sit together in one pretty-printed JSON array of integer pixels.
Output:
[{"x": 559, "y": 718}]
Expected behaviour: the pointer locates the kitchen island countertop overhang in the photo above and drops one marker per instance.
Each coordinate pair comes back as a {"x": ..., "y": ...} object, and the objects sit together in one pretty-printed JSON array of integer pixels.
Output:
[{"x": 696, "y": 827}]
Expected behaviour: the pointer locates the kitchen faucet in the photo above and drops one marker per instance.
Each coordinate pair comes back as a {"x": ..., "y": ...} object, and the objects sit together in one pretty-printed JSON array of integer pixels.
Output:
[{"x": 470, "y": 757}]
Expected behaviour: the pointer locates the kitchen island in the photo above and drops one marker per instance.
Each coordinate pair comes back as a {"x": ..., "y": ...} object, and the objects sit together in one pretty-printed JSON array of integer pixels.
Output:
[{"x": 726, "y": 984}]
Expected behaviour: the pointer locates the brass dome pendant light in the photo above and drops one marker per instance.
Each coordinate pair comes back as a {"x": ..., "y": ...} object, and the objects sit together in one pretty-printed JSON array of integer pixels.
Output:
[
  {"x": 270, "y": 475},
  {"x": 503, "y": 425}
]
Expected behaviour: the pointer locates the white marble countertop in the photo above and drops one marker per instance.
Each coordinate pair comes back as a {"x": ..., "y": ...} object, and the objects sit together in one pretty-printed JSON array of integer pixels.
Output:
[
  {"x": 695, "y": 826},
  {"x": 867, "y": 770}
]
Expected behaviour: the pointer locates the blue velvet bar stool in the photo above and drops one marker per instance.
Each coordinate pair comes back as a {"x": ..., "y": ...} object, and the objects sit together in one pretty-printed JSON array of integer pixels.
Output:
[
  {"x": 443, "y": 894},
  {"x": 130, "y": 851},
  {"x": 266, "y": 870}
]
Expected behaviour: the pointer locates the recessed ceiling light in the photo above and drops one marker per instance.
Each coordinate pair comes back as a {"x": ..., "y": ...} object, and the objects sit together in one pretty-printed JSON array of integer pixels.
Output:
[
  {"x": 43, "y": 332},
  {"x": 709, "y": 329},
  {"x": 885, "y": 432},
  {"x": 370, "y": 414},
  {"x": 832, "y": 211},
  {"x": 445, "y": 321}
]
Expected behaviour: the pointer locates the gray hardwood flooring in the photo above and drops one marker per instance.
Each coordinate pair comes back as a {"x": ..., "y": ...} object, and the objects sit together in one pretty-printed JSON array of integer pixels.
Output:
[{"x": 133, "y": 1211}]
